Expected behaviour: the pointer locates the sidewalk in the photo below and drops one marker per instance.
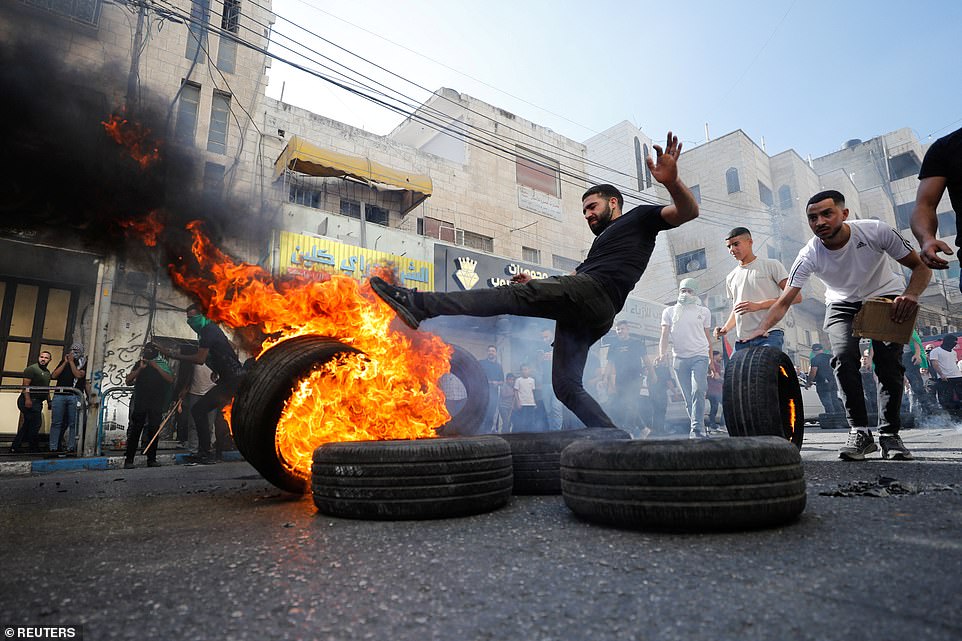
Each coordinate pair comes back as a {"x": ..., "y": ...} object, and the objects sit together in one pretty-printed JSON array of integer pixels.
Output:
[{"x": 69, "y": 463}]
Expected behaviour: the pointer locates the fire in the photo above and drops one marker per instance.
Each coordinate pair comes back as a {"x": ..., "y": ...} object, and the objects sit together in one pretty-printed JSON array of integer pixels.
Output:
[
  {"x": 147, "y": 228},
  {"x": 389, "y": 392},
  {"x": 135, "y": 138}
]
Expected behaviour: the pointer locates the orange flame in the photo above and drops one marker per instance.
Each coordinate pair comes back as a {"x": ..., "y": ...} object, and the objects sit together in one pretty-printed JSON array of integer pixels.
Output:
[
  {"x": 391, "y": 391},
  {"x": 134, "y": 137},
  {"x": 147, "y": 228}
]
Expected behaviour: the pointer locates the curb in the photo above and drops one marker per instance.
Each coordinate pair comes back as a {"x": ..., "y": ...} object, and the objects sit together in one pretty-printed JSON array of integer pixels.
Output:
[{"x": 46, "y": 466}]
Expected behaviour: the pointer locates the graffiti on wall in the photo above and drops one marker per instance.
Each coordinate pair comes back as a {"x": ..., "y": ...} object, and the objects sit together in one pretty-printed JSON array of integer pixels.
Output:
[{"x": 120, "y": 354}]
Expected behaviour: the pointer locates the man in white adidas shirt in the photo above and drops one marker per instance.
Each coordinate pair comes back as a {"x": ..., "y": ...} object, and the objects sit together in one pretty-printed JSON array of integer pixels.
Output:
[{"x": 850, "y": 258}]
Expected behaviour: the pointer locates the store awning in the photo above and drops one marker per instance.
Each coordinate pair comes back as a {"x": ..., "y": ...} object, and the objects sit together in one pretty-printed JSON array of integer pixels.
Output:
[{"x": 307, "y": 158}]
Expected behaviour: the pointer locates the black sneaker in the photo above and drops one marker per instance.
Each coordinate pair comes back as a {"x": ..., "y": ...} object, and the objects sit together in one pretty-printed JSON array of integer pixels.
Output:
[
  {"x": 153, "y": 464},
  {"x": 892, "y": 443},
  {"x": 198, "y": 459},
  {"x": 858, "y": 445},
  {"x": 400, "y": 299},
  {"x": 129, "y": 465}
]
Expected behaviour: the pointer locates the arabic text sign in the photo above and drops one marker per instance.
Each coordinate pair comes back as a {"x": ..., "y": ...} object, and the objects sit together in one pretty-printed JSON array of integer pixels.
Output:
[{"x": 306, "y": 255}]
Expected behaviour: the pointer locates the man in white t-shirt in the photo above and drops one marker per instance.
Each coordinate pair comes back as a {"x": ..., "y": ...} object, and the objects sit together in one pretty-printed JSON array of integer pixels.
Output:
[
  {"x": 851, "y": 258},
  {"x": 754, "y": 286},
  {"x": 943, "y": 362},
  {"x": 525, "y": 418},
  {"x": 688, "y": 325}
]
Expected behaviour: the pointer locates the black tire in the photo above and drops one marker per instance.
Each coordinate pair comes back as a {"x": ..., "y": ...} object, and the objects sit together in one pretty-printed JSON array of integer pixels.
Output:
[
  {"x": 685, "y": 485},
  {"x": 261, "y": 397},
  {"x": 536, "y": 456},
  {"x": 422, "y": 479},
  {"x": 762, "y": 395},
  {"x": 466, "y": 369}
]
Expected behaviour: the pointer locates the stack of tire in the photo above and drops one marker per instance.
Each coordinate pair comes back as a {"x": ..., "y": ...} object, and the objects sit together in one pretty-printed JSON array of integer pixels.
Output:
[{"x": 604, "y": 476}]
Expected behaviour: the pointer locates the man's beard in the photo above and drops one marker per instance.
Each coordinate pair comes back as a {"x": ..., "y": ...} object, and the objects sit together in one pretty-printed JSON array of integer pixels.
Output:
[{"x": 604, "y": 219}]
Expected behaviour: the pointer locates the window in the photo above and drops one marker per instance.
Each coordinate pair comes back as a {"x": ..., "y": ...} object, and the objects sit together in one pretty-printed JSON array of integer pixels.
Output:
[
  {"x": 731, "y": 180},
  {"x": 377, "y": 215},
  {"x": 785, "y": 197},
  {"x": 477, "y": 241},
  {"x": 538, "y": 172},
  {"x": 85, "y": 11},
  {"x": 645, "y": 163},
  {"x": 690, "y": 262},
  {"x": 351, "y": 208},
  {"x": 696, "y": 192},
  {"x": 187, "y": 108},
  {"x": 904, "y": 165},
  {"x": 947, "y": 224},
  {"x": 903, "y": 215},
  {"x": 640, "y": 165},
  {"x": 213, "y": 179},
  {"x": 219, "y": 113},
  {"x": 307, "y": 197},
  {"x": 197, "y": 29},
  {"x": 765, "y": 194},
  {"x": 531, "y": 255},
  {"x": 230, "y": 22},
  {"x": 567, "y": 264},
  {"x": 434, "y": 228}
]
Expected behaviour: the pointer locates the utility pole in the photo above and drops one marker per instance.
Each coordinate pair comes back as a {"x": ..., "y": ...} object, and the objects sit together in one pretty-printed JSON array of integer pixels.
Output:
[{"x": 132, "y": 101}]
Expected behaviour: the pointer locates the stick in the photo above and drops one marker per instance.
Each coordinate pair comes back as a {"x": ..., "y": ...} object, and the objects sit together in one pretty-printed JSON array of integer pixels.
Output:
[{"x": 162, "y": 424}]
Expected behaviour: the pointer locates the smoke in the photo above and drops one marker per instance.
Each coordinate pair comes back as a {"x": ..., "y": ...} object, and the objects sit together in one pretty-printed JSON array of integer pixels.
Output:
[{"x": 67, "y": 181}]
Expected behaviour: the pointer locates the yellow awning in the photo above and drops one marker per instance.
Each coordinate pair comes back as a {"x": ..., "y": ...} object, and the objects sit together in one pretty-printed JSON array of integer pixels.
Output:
[{"x": 306, "y": 158}]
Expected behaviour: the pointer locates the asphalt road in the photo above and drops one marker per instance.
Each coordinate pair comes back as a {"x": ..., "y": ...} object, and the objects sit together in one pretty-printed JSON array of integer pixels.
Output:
[{"x": 215, "y": 552}]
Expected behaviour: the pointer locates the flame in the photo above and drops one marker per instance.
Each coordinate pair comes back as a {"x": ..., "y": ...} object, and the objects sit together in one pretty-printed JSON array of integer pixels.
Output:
[
  {"x": 791, "y": 414},
  {"x": 389, "y": 391},
  {"x": 135, "y": 138},
  {"x": 147, "y": 229}
]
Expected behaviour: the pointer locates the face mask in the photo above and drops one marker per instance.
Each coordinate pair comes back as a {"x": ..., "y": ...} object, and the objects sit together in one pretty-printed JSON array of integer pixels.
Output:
[
  {"x": 198, "y": 322},
  {"x": 684, "y": 298}
]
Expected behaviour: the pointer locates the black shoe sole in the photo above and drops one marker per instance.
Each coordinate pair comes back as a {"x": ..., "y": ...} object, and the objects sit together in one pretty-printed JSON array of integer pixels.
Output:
[{"x": 380, "y": 288}]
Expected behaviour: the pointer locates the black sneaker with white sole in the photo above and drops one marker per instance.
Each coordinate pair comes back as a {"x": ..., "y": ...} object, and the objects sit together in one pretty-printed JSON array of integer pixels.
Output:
[
  {"x": 893, "y": 446},
  {"x": 400, "y": 299},
  {"x": 858, "y": 445}
]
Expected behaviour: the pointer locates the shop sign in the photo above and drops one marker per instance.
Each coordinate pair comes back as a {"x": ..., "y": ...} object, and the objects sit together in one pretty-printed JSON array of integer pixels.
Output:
[{"x": 311, "y": 257}]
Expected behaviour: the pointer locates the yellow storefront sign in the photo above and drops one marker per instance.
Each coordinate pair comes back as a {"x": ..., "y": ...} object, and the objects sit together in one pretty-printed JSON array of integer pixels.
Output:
[{"x": 309, "y": 257}]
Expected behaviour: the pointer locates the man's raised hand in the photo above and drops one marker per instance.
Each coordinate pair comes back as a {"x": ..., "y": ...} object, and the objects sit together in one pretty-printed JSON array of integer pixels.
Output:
[{"x": 665, "y": 166}]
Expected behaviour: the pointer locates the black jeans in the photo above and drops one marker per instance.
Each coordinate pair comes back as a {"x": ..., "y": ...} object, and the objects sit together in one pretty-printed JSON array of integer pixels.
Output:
[
  {"x": 141, "y": 420},
  {"x": 583, "y": 313},
  {"x": 215, "y": 399},
  {"x": 846, "y": 362},
  {"x": 29, "y": 431}
]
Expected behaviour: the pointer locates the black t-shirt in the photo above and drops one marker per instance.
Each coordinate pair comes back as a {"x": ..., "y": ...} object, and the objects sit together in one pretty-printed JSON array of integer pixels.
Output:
[
  {"x": 625, "y": 356},
  {"x": 619, "y": 255},
  {"x": 221, "y": 359},
  {"x": 150, "y": 391},
  {"x": 824, "y": 373},
  {"x": 944, "y": 158},
  {"x": 67, "y": 379}
]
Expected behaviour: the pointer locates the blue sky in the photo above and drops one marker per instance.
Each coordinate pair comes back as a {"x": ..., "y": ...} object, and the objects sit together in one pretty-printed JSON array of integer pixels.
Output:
[{"x": 803, "y": 74}]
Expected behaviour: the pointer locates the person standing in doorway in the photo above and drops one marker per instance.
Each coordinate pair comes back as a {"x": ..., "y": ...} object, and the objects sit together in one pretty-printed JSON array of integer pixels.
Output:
[
  {"x": 36, "y": 377},
  {"x": 495, "y": 375},
  {"x": 70, "y": 372},
  {"x": 687, "y": 325}
]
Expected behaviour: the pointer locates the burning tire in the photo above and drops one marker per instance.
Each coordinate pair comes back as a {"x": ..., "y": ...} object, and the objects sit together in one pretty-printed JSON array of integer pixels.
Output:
[
  {"x": 536, "y": 456},
  {"x": 422, "y": 479},
  {"x": 717, "y": 484},
  {"x": 261, "y": 398},
  {"x": 466, "y": 369},
  {"x": 762, "y": 395}
]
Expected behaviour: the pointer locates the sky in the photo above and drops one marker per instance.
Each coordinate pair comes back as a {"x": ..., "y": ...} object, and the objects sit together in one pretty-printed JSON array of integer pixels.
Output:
[{"x": 800, "y": 74}]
